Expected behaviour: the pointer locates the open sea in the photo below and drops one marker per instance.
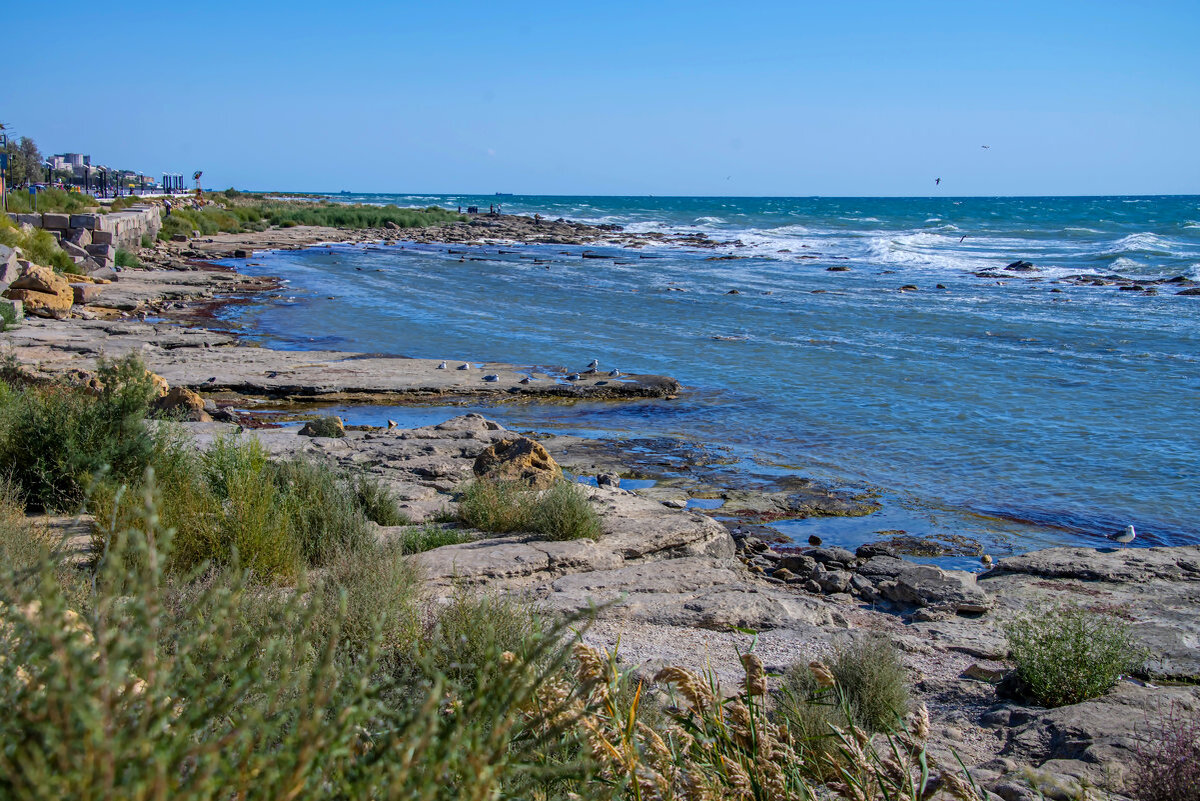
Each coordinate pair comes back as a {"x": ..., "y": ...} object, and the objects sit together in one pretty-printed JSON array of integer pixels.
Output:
[{"x": 995, "y": 409}]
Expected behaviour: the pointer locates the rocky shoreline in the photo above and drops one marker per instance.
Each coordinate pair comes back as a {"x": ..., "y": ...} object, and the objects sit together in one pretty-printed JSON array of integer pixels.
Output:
[{"x": 673, "y": 585}]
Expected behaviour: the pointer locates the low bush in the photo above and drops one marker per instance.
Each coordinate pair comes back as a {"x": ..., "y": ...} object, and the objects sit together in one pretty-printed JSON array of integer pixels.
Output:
[
  {"x": 497, "y": 506},
  {"x": 127, "y": 259},
  {"x": 417, "y": 539},
  {"x": 378, "y": 502},
  {"x": 873, "y": 688},
  {"x": 322, "y": 512},
  {"x": 559, "y": 513},
  {"x": 1166, "y": 763},
  {"x": 210, "y": 688},
  {"x": 147, "y": 241},
  {"x": 1068, "y": 654},
  {"x": 38, "y": 245},
  {"x": 563, "y": 512},
  {"x": 8, "y": 317},
  {"x": 369, "y": 596},
  {"x": 56, "y": 200},
  {"x": 57, "y": 441}
]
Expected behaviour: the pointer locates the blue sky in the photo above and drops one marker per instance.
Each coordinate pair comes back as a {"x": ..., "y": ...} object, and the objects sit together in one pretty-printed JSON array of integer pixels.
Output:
[{"x": 665, "y": 98}]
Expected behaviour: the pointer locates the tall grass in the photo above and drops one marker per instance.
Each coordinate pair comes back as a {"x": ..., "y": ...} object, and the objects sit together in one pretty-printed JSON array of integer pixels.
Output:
[
  {"x": 242, "y": 212},
  {"x": 39, "y": 246},
  {"x": 57, "y": 441},
  {"x": 559, "y": 513},
  {"x": 211, "y": 688},
  {"x": 56, "y": 200}
]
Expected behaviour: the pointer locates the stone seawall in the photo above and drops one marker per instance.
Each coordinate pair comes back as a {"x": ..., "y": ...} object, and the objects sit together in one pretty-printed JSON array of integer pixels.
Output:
[{"x": 118, "y": 229}]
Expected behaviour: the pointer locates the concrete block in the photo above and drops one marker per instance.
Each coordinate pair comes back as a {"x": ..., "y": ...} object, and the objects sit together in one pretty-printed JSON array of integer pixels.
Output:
[
  {"x": 57, "y": 222},
  {"x": 99, "y": 252},
  {"x": 9, "y": 269},
  {"x": 72, "y": 249},
  {"x": 80, "y": 236},
  {"x": 28, "y": 219},
  {"x": 85, "y": 293},
  {"x": 103, "y": 272},
  {"x": 100, "y": 237},
  {"x": 88, "y": 221}
]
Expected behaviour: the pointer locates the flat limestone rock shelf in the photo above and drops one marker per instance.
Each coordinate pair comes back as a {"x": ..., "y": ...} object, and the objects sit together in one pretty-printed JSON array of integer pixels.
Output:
[{"x": 210, "y": 361}]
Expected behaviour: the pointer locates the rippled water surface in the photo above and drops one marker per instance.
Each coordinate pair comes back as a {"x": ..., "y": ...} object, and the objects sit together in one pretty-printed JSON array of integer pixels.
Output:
[{"x": 991, "y": 408}]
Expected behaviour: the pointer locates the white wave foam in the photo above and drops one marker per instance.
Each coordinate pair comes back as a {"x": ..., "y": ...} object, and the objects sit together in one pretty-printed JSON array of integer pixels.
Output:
[{"x": 710, "y": 220}]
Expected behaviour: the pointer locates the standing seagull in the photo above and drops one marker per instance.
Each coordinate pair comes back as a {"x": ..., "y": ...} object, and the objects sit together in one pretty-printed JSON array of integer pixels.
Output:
[
  {"x": 594, "y": 364},
  {"x": 1124, "y": 537}
]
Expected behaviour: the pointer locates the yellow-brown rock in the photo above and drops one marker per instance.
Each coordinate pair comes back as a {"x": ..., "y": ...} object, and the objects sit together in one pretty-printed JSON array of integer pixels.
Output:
[
  {"x": 181, "y": 400},
  {"x": 44, "y": 292},
  {"x": 519, "y": 459}
]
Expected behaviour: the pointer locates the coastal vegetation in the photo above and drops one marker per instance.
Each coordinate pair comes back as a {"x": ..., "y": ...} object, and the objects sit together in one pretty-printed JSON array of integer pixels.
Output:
[
  {"x": 238, "y": 630},
  {"x": 232, "y": 211},
  {"x": 38, "y": 245},
  {"x": 874, "y": 696},
  {"x": 1068, "y": 654},
  {"x": 56, "y": 200},
  {"x": 559, "y": 513}
]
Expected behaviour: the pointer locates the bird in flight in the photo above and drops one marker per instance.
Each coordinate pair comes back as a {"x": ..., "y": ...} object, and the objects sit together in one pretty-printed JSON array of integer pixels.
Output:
[
  {"x": 986, "y": 147},
  {"x": 937, "y": 181}
]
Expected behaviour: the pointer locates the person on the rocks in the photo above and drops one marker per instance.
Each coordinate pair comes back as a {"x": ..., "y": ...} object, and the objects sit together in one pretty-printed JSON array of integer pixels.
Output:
[{"x": 167, "y": 206}]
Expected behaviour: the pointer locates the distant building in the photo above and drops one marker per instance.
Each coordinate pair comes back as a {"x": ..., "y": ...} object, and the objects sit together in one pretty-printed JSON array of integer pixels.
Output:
[{"x": 69, "y": 161}]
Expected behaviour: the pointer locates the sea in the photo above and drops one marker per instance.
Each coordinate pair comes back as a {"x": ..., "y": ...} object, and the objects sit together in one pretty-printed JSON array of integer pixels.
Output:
[{"x": 1019, "y": 411}]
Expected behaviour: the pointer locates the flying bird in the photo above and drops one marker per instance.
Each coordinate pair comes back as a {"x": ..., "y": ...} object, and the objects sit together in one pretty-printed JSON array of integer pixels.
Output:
[
  {"x": 937, "y": 181},
  {"x": 986, "y": 147}
]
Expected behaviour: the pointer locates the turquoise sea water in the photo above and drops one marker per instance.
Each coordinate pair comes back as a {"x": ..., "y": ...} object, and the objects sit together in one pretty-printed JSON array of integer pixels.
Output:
[{"x": 1000, "y": 410}]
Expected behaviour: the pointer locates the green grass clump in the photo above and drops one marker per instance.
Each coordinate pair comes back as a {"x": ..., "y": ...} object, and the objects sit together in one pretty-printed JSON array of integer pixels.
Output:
[
  {"x": 8, "y": 317},
  {"x": 57, "y": 441},
  {"x": 559, "y": 513},
  {"x": 209, "y": 687},
  {"x": 323, "y": 512},
  {"x": 873, "y": 688},
  {"x": 38, "y": 245},
  {"x": 378, "y": 502},
  {"x": 497, "y": 506},
  {"x": 127, "y": 259},
  {"x": 55, "y": 200},
  {"x": 1068, "y": 654},
  {"x": 564, "y": 513},
  {"x": 418, "y": 539}
]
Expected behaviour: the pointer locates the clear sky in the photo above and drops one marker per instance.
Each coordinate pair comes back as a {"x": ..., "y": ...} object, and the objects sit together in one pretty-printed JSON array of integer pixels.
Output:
[{"x": 665, "y": 98}]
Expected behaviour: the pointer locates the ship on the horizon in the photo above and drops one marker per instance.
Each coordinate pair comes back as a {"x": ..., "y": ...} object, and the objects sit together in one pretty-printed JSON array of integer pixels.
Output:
[{"x": 504, "y": 194}]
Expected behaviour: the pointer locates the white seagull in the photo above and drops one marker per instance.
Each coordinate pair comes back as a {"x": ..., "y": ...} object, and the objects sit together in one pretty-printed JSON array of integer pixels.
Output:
[
  {"x": 595, "y": 363},
  {"x": 1124, "y": 537},
  {"x": 442, "y": 366}
]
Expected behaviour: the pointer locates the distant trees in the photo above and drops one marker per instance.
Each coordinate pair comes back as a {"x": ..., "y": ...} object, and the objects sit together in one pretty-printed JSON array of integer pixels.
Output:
[{"x": 24, "y": 162}]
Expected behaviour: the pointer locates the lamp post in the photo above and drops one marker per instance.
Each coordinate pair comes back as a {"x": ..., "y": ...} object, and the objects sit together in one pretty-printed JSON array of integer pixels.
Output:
[{"x": 49, "y": 173}]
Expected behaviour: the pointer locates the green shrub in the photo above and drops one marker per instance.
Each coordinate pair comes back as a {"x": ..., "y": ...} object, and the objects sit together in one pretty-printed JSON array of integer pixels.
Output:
[
  {"x": 563, "y": 512},
  {"x": 497, "y": 506},
  {"x": 1068, "y": 654},
  {"x": 211, "y": 688},
  {"x": 322, "y": 512},
  {"x": 559, "y": 513},
  {"x": 39, "y": 246},
  {"x": 147, "y": 241},
  {"x": 8, "y": 317},
  {"x": 56, "y": 200},
  {"x": 378, "y": 502},
  {"x": 873, "y": 688},
  {"x": 57, "y": 440},
  {"x": 471, "y": 633},
  {"x": 369, "y": 595},
  {"x": 127, "y": 259},
  {"x": 418, "y": 539}
]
